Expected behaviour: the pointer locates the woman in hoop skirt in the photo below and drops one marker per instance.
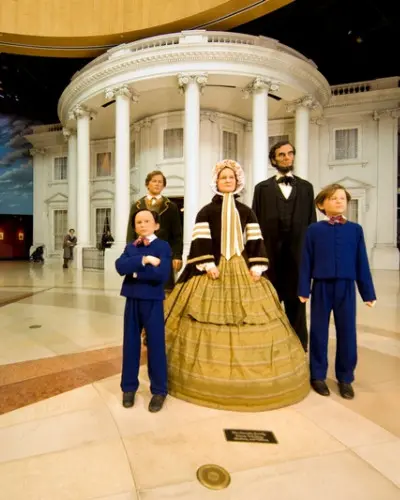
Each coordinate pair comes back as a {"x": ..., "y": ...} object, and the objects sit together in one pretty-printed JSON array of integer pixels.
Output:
[{"x": 229, "y": 343}]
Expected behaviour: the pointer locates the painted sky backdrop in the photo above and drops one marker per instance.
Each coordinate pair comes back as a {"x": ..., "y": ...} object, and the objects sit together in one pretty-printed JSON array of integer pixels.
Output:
[{"x": 16, "y": 166}]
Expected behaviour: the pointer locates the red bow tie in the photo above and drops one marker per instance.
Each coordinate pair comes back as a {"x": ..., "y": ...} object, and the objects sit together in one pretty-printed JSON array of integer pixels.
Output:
[
  {"x": 336, "y": 219},
  {"x": 142, "y": 241}
]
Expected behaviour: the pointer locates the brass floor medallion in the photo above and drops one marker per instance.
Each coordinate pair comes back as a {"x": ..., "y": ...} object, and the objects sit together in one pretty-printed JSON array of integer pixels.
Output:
[{"x": 213, "y": 477}]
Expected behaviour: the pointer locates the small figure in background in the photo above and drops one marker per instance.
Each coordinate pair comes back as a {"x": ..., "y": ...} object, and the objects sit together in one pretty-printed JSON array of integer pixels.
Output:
[{"x": 70, "y": 242}]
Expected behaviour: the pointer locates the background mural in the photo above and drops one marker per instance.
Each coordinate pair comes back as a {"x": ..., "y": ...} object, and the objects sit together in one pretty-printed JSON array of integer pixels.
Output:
[{"x": 16, "y": 171}]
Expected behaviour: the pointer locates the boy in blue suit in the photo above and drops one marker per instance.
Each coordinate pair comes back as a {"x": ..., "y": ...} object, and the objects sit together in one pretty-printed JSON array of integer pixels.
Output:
[
  {"x": 146, "y": 265},
  {"x": 334, "y": 257}
]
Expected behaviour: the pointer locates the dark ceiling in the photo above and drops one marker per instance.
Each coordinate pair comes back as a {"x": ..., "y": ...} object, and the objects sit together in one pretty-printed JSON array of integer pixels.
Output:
[{"x": 349, "y": 40}]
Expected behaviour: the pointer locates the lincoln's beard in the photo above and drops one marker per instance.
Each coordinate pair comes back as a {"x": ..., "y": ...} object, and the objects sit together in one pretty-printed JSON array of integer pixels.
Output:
[{"x": 284, "y": 170}]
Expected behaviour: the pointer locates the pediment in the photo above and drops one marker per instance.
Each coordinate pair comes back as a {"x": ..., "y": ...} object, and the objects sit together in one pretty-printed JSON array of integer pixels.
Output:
[
  {"x": 175, "y": 181},
  {"x": 57, "y": 198},
  {"x": 350, "y": 183},
  {"x": 102, "y": 194}
]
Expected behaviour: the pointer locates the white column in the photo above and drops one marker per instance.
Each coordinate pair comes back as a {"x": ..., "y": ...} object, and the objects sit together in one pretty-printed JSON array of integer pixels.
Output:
[
  {"x": 123, "y": 95},
  {"x": 385, "y": 254},
  {"x": 259, "y": 89},
  {"x": 248, "y": 161},
  {"x": 39, "y": 179},
  {"x": 191, "y": 85},
  {"x": 314, "y": 163},
  {"x": 70, "y": 135},
  {"x": 122, "y": 205},
  {"x": 82, "y": 116},
  {"x": 302, "y": 108},
  {"x": 209, "y": 153},
  {"x": 146, "y": 164}
]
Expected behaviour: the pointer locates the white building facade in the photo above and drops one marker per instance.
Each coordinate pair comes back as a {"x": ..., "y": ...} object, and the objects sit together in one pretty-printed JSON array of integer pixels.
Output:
[{"x": 180, "y": 103}]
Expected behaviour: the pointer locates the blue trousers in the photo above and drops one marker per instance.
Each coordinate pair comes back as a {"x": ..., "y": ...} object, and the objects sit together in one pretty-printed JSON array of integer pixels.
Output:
[
  {"x": 148, "y": 314},
  {"x": 338, "y": 296}
]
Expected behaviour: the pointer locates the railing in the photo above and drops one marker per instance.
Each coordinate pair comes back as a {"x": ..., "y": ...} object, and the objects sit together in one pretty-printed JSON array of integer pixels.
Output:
[
  {"x": 368, "y": 86},
  {"x": 192, "y": 38},
  {"x": 93, "y": 258},
  {"x": 40, "y": 129}
]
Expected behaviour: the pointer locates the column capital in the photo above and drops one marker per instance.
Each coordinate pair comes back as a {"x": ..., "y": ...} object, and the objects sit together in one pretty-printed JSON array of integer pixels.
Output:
[
  {"x": 307, "y": 101},
  {"x": 386, "y": 113},
  {"x": 68, "y": 132},
  {"x": 211, "y": 116},
  {"x": 145, "y": 123},
  {"x": 259, "y": 83},
  {"x": 37, "y": 151},
  {"x": 80, "y": 111},
  {"x": 124, "y": 90},
  {"x": 186, "y": 78}
]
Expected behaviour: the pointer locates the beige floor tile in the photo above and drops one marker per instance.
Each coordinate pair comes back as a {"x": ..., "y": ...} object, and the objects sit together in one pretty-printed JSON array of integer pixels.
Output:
[
  {"x": 92, "y": 471},
  {"x": 343, "y": 424},
  {"x": 78, "y": 399},
  {"x": 130, "y": 495},
  {"x": 144, "y": 422},
  {"x": 52, "y": 434},
  {"x": 338, "y": 476},
  {"x": 178, "y": 450},
  {"x": 383, "y": 457}
]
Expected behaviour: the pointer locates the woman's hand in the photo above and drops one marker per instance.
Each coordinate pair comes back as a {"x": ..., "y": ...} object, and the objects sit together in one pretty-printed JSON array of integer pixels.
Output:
[
  {"x": 254, "y": 275},
  {"x": 303, "y": 300},
  {"x": 213, "y": 273}
]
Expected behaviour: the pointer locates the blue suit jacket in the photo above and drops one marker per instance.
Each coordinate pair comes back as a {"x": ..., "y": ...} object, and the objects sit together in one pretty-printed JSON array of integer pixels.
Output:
[
  {"x": 149, "y": 281},
  {"x": 336, "y": 252}
]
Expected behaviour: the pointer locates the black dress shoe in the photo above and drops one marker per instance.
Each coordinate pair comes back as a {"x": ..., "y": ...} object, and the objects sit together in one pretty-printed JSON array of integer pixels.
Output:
[
  {"x": 320, "y": 387},
  {"x": 156, "y": 403},
  {"x": 346, "y": 390},
  {"x": 128, "y": 399}
]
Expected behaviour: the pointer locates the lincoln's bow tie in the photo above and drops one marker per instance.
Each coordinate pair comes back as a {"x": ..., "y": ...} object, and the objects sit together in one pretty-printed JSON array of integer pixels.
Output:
[{"x": 288, "y": 180}]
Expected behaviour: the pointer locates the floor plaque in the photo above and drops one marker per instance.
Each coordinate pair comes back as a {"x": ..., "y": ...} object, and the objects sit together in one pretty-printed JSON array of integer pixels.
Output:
[
  {"x": 213, "y": 477},
  {"x": 249, "y": 436}
]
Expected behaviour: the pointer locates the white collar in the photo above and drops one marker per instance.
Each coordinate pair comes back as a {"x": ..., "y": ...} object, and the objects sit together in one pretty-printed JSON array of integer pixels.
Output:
[
  {"x": 279, "y": 175},
  {"x": 150, "y": 196},
  {"x": 151, "y": 238}
]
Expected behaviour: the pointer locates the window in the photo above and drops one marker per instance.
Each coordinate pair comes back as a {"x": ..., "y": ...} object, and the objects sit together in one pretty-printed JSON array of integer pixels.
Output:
[
  {"x": 276, "y": 138},
  {"x": 103, "y": 167},
  {"x": 60, "y": 228},
  {"x": 103, "y": 222},
  {"x": 173, "y": 143},
  {"x": 229, "y": 145},
  {"x": 60, "y": 168},
  {"x": 346, "y": 144},
  {"x": 352, "y": 211}
]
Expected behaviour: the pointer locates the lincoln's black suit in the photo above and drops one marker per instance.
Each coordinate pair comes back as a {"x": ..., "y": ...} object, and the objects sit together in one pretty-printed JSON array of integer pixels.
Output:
[{"x": 283, "y": 225}]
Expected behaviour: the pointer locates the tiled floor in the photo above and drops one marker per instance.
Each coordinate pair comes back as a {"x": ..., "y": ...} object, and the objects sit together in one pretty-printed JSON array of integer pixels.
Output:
[{"x": 65, "y": 435}]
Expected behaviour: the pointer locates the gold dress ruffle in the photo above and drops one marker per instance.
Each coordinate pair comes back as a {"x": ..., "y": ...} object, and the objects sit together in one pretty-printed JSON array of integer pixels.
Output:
[{"x": 230, "y": 345}]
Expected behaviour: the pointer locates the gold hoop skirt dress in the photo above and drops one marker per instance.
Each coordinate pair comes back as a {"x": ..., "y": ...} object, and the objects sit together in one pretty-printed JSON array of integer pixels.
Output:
[{"x": 230, "y": 345}]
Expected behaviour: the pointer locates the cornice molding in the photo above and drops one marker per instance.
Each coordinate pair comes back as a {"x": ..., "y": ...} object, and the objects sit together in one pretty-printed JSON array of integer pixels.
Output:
[{"x": 292, "y": 70}]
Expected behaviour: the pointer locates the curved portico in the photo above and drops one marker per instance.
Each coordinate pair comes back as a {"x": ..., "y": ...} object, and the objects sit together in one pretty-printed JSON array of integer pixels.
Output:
[{"x": 253, "y": 78}]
